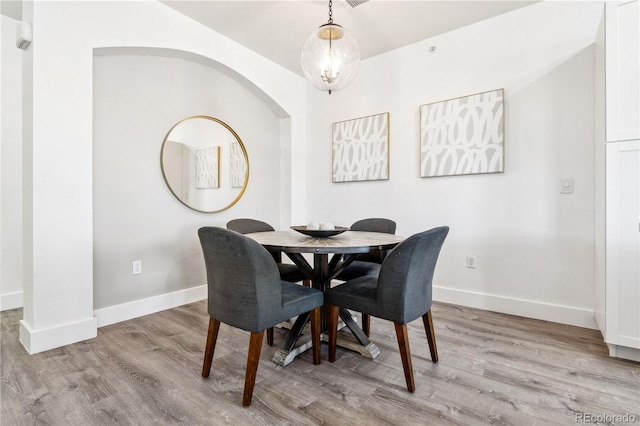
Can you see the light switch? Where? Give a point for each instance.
(566, 186)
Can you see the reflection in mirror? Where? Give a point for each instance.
(204, 164)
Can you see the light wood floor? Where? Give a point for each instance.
(493, 369)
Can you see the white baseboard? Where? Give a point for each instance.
(525, 308)
(42, 340)
(150, 305)
(624, 352)
(10, 301)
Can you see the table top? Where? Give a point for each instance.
(347, 242)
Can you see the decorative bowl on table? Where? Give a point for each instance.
(320, 233)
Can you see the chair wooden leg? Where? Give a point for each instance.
(405, 354)
(366, 324)
(270, 336)
(255, 345)
(306, 283)
(431, 336)
(316, 325)
(333, 331)
(212, 337)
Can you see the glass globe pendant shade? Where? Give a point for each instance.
(330, 58)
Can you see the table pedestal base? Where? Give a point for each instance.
(284, 357)
(370, 351)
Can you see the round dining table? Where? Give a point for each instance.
(343, 249)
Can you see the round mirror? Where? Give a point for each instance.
(205, 164)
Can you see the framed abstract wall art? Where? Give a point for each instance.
(208, 168)
(360, 149)
(463, 136)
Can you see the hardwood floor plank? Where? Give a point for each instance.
(493, 369)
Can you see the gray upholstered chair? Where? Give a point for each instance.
(401, 293)
(368, 263)
(288, 272)
(246, 292)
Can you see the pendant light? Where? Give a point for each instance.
(330, 56)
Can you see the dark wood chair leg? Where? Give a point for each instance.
(270, 336)
(405, 354)
(316, 325)
(431, 336)
(334, 311)
(212, 337)
(366, 324)
(253, 358)
(306, 283)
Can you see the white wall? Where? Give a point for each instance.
(11, 168)
(58, 146)
(534, 247)
(137, 99)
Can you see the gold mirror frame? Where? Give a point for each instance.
(210, 183)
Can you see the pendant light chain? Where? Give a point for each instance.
(330, 12)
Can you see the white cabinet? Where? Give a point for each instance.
(618, 222)
(622, 319)
(622, 20)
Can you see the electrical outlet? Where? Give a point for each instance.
(471, 262)
(566, 186)
(136, 267)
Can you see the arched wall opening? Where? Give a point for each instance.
(138, 95)
(58, 168)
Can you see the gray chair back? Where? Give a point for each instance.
(404, 290)
(248, 226)
(375, 224)
(244, 284)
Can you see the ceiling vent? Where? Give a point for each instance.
(354, 3)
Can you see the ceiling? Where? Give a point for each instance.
(277, 29)
(11, 8)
